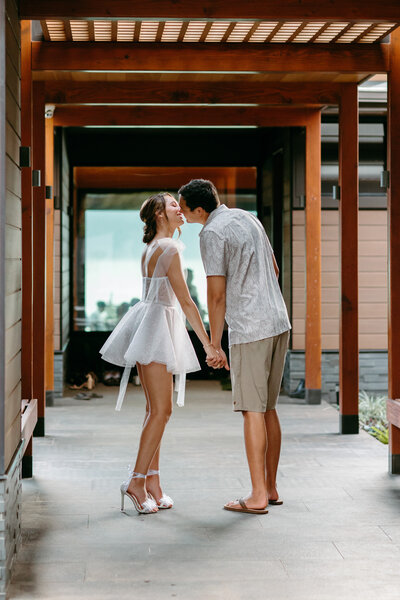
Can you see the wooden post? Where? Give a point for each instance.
(49, 180)
(313, 259)
(26, 191)
(348, 235)
(39, 256)
(394, 253)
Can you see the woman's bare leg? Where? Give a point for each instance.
(153, 483)
(159, 387)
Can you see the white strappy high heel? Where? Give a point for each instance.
(148, 506)
(165, 501)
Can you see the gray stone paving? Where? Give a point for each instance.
(336, 536)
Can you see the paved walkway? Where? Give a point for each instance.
(336, 536)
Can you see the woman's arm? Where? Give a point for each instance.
(178, 283)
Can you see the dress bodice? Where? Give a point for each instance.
(157, 289)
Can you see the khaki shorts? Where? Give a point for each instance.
(256, 372)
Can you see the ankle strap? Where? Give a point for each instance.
(152, 472)
(138, 476)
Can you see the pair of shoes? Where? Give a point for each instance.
(148, 506)
(245, 509)
(165, 501)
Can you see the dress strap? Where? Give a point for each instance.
(122, 387)
(180, 383)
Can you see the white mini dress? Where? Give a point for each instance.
(153, 330)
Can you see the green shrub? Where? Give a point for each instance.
(372, 414)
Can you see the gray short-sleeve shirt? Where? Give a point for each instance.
(233, 244)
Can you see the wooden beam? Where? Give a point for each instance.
(27, 234)
(39, 256)
(313, 259)
(169, 178)
(79, 116)
(360, 10)
(394, 247)
(121, 56)
(348, 235)
(49, 260)
(194, 92)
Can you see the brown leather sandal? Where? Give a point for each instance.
(245, 509)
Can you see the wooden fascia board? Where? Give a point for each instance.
(185, 92)
(358, 10)
(188, 57)
(101, 116)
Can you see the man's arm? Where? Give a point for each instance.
(216, 301)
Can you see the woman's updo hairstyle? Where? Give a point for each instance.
(148, 213)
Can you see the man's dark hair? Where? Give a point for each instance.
(200, 192)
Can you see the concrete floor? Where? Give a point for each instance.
(336, 536)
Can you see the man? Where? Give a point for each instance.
(242, 286)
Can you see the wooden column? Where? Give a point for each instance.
(313, 259)
(49, 260)
(348, 235)
(39, 256)
(394, 253)
(26, 191)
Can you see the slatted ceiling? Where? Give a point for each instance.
(148, 31)
(353, 33)
(79, 31)
(194, 31)
(308, 32)
(172, 31)
(377, 32)
(217, 31)
(300, 32)
(126, 31)
(263, 31)
(239, 32)
(285, 32)
(102, 31)
(331, 32)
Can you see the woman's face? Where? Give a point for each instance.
(173, 212)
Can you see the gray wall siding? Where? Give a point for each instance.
(13, 237)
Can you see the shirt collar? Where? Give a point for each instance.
(217, 211)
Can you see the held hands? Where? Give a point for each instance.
(216, 357)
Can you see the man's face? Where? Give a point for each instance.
(185, 209)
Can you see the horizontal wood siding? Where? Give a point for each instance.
(372, 280)
(13, 254)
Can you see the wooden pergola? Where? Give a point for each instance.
(261, 63)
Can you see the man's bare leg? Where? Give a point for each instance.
(256, 446)
(274, 438)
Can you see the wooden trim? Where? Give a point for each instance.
(152, 56)
(232, 27)
(348, 236)
(39, 249)
(49, 256)
(205, 32)
(193, 92)
(27, 233)
(273, 32)
(67, 30)
(386, 10)
(345, 30)
(183, 30)
(178, 115)
(393, 155)
(160, 31)
(91, 31)
(29, 417)
(313, 253)
(298, 30)
(45, 30)
(323, 28)
(393, 412)
(365, 32)
(136, 33)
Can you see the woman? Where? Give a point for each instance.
(153, 336)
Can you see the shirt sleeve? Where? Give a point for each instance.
(213, 254)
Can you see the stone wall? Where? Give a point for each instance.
(373, 371)
(10, 520)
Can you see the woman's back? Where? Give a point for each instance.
(156, 261)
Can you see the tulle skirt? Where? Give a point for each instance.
(151, 332)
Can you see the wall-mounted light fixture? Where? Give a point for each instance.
(336, 192)
(36, 178)
(25, 156)
(385, 179)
